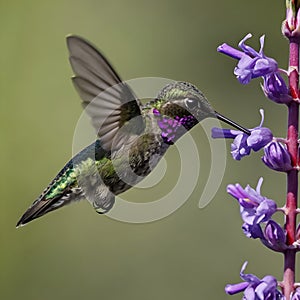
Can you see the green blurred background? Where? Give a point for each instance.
(75, 253)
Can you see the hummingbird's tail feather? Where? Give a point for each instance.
(38, 209)
(43, 206)
(62, 190)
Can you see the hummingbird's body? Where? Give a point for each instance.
(131, 138)
(100, 175)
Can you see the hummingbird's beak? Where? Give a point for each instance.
(231, 123)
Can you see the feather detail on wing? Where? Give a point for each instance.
(109, 102)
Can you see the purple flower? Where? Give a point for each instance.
(275, 88)
(254, 207)
(277, 157)
(252, 64)
(242, 143)
(273, 236)
(255, 288)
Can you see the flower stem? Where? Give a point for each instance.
(289, 273)
(292, 176)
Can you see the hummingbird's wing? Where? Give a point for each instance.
(108, 101)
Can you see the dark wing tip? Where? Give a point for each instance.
(73, 40)
(70, 38)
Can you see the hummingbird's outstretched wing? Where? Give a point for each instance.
(109, 102)
(112, 106)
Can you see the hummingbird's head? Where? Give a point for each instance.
(183, 101)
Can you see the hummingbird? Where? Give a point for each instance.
(131, 137)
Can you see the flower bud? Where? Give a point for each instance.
(290, 26)
(277, 157)
(275, 236)
(275, 88)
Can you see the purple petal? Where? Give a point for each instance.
(261, 290)
(230, 51)
(254, 194)
(248, 277)
(262, 43)
(249, 294)
(248, 197)
(259, 138)
(262, 114)
(266, 209)
(247, 49)
(243, 70)
(248, 216)
(236, 191)
(224, 133)
(232, 289)
(247, 204)
(267, 289)
(264, 66)
(253, 231)
(239, 147)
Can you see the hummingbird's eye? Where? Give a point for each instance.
(191, 103)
